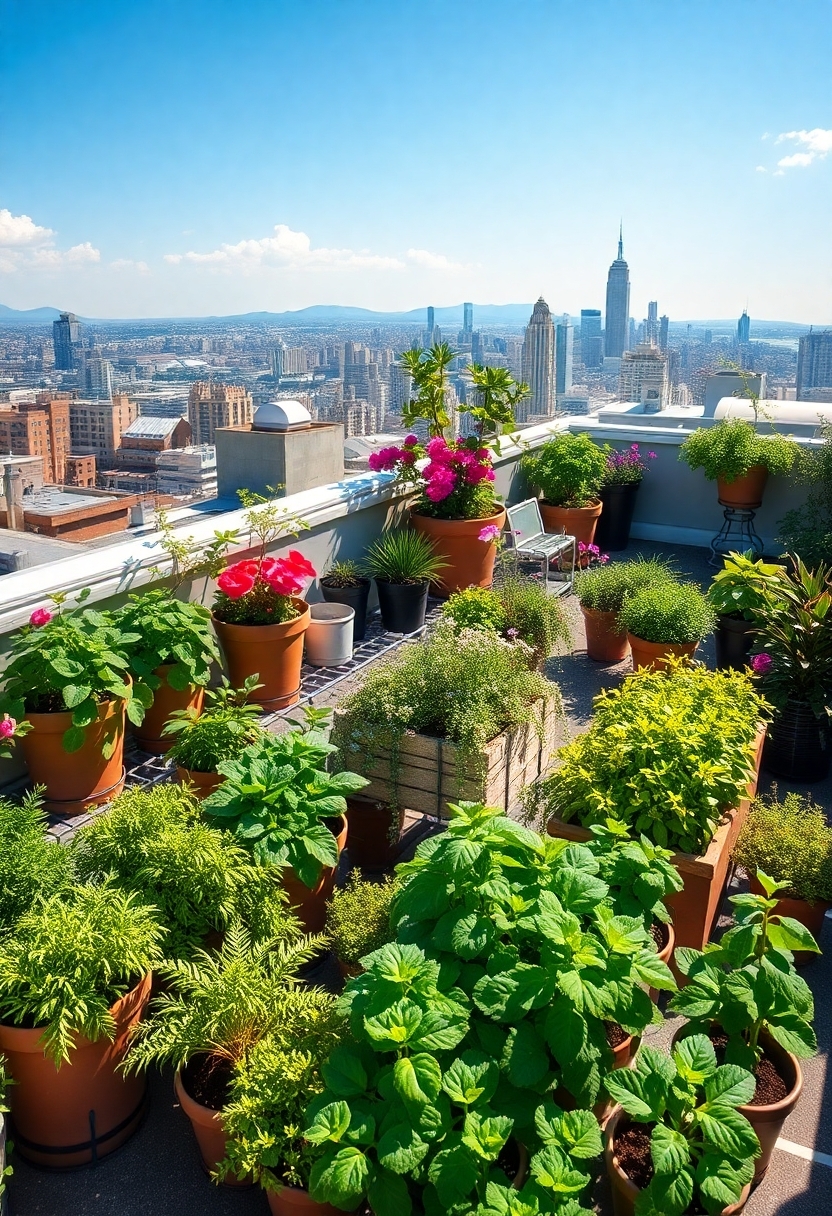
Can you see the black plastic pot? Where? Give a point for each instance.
(612, 532)
(355, 597)
(403, 605)
(734, 639)
(798, 745)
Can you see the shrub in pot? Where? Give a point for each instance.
(516, 608)
(568, 472)
(172, 656)
(601, 593)
(33, 866)
(738, 595)
(807, 529)
(792, 842)
(227, 723)
(677, 1142)
(666, 618)
(744, 992)
(74, 982)
(622, 477)
(67, 689)
(403, 563)
(738, 459)
(345, 583)
(358, 920)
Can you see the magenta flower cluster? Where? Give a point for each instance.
(593, 553)
(628, 465)
(761, 664)
(450, 466)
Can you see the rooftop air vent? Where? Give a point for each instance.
(283, 415)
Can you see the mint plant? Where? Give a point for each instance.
(747, 984)
(169, 631)
(702, 1148)
(227, 724)
(640, 875)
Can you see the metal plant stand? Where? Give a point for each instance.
(737, 535)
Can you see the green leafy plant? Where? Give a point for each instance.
(792, 842)
(667, 753)
(639, 874)
(275, 799)
(226, 725)
(516, 608)
(807, 529)
(428, 370)
(343, 574)
(476, 608)
(358, 917)
(732, 446)
(497, 396)
(744, 586)
(675, 613)
(32, 865)
(702, 1148)
(746, 983)
(74, 659)
(69, 958)
(605, 588)
(795, 632)
(568, 470)
(403, 556)
(169, 631)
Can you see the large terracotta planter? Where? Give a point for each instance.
(456, 541)
(654, 654)
(374, 830)
(605, 641)
(579, 522)
(273, 652)
(76, 780)
(166, 700)
(291, 1201)
(746, 492)
(208, 1129)
(810, 915)
(83, 1110)
(309, 903)
(625, 1192)
(202, 784)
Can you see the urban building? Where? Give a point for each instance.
(814, 361)
(66, 338)
(430, 332)
(39, 428)
(97, 426)
(188, 471)
(727, 383)
(643, 377)
(744, 328)
(468, 319)
(145, 438)
(276, 358)
(95, 375)
(564, 338)
(592, 342)
(664, 323)
(617, 315)
(80, 470)
(295, 361)
(212, 404)
(650, 333)
(575, 401)
(72, 514)
(539, 364)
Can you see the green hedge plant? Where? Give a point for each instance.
(568, 470)
(669, 612)
(605, 588)
(640, 875)
(358, 917)
(792, 842)
(516, 608)
(731, 447)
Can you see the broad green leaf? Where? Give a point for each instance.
(342, 1179)
(731, 1085)
(486, 1135)
(394, 1026)
(788, 934)
(669, 1150)
(73, 739)
(720, 1181)
(388, 1195)
(525, 1057)
(439, 1032)
(320, 842)
(726, 1129)
(695, 1058)
(651, 970)
(579, 891)
(74, 694)
(454, 1173)
(794, 1034)
(552, 1169)
(565, 1030)
(628, 1087)
(401, 1148)
(85, 712)
(344, 1073)
(471, 1077)
(667, 1195)
(581, 1134)
(330, 1123)
(417, 1078)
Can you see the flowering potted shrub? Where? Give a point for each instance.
(403, 563)
(732, 454)
(622, 477)
(568, 471)
(664, 619)
(601, 593)
(739, 594)
(201, 741)
(518, 609)
(457, 507)
(346, 583)
(66, 693)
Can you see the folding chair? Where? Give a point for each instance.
(528, 539)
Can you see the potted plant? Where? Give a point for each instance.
(67, 689)
(744, 993)
(622, 477)
(601, 593)
(358, 920)
(568, 471)
(33, 866)
(458, 715)
(403, 563)
(672, 755)
(518, 609)
(732, 454)
(795, 673)
(282, 805)
(227, 723)
(172, 655)
(807, 529)
(738, 595)
(663, 619)
(792, 842)
(215, 1009)
(74, 983)
(457, 509)
(677, 1142)
(344, 583)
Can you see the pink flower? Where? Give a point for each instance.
(235, 582)
(761, 664)
(440, 484)
(7, 728)
(41, 616)
(652, 456)
(438, 449)
(489, 533)
(410, 441)
(475, 474)
(284, 583)
(300, 565)
(384, 459)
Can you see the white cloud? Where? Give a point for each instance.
(129, 264)
(817, 144)
(286, 249)
(25, 245)
(56, 259)
(21, 230)
(762, 169)
(432, 261)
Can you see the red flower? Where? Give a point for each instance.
(41, 616)
(235, 582)
(300, 564)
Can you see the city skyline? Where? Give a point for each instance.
(730, 212)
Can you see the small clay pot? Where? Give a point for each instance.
(470, 561)
(373, 844)
(209, 1131)
(166, 700)
(579, 522)
(605, 641)
(292, 1201)
(202, 784)
(809, 915)
(76, 780)
(272, 652)
(654, 654)
(309, 903)
(744, 493)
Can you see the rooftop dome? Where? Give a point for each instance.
(283, 415)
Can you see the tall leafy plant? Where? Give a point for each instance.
(170, 632)
(227, 724)
(795, 631)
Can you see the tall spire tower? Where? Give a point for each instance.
(617, 319)
(620, 240)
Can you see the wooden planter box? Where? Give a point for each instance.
(428, 775)
(696, 907)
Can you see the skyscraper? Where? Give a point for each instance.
(617, 318)
(539, 364)
(468, 318)
(211, 405)
(643, 377)
(66, 334)
(663, 324)
(564, 337)
(814, 361)
(592, 347)
(743, 328)
(431, 329)
(651, 323)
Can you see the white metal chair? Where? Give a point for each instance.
(528, 539)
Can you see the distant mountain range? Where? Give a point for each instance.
(40, 316)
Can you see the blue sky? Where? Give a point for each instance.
(206, 156)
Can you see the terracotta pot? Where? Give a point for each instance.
(622, 1057)
(372, 844)
(165, 700)
(291, 1201)
(208, 1129)
(202, 784)
(810, 915)
(652, 654)
(76, 780)
(273, 652)
(665, 954)
(625, 1192)
(309, 903)
(574, 521)
(605, 642)
(83, 1110)
(744, 492)
(470, 560)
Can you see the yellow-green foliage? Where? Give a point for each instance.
(358, 917)
(791, 842)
